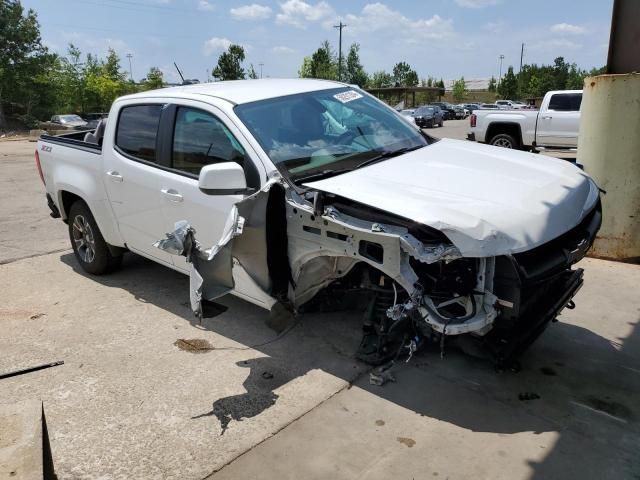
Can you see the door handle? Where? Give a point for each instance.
(115, 176)
(547, 117)
(172, 195)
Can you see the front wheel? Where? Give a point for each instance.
(89, 247)
(504, 140)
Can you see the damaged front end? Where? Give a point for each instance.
(316, 251)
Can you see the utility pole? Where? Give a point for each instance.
(261, 64)
(521, 55)
(207, 75)
(129, 56)
(500, 74)
(340, 27)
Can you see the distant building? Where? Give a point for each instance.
(476, 84)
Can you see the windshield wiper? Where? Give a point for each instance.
(388, 154)
(320, 175)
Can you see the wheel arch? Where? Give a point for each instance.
(509, 128)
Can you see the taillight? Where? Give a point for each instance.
(472, 120)
(39, 167)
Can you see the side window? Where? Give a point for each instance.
(201, 139)
(137, 131)
(565, 102)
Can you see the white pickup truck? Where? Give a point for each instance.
(307, 194)
(555, 125)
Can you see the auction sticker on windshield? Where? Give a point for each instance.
(347, 96)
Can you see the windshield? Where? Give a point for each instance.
(424, 111)
(326, 131)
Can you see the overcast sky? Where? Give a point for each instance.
(441, 38)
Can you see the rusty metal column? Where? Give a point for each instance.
(609, 141)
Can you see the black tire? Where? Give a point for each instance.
(441, 124)
(505, 141)
(89, 247)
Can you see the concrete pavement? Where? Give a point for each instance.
(25, 226)
(147, 393)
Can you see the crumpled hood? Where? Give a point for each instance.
(488, 201)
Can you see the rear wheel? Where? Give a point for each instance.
(504, 140)
(89, 247)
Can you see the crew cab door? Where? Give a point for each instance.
(196, 135)
(133, 177)
(559, 122)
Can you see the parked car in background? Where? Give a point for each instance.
(93, 119)
(437, 108)
(489, 106)
(459, 112)
(471, 107)
(407, 114)
(554, 125)
(447, 110)
(266, 198)
(428, 117)
(69, 121)
(504, 104)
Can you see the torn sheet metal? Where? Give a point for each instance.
(215, 264)
(429, 253)
(211, 274)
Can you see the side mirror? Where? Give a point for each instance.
(225, 178)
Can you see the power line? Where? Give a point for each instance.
(137, 7)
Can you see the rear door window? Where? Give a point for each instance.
(565, 102)
(137, 131)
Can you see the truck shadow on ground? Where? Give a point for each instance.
(572, 381)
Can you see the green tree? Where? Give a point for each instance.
(111, 67)
(492, 84)
(404, 75)
(229, 65)
(355, 73)
(534, 87)
(459, 90)
(560, 73)
(154, 79)
(252, 73)
(508, 87)
(20, 50)
(381, 79)
(305, 68)
(323, 63)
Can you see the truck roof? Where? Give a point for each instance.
(242, 91)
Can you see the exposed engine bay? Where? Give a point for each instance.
(315, 251)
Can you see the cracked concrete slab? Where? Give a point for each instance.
(128, 402)
(457, 418)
